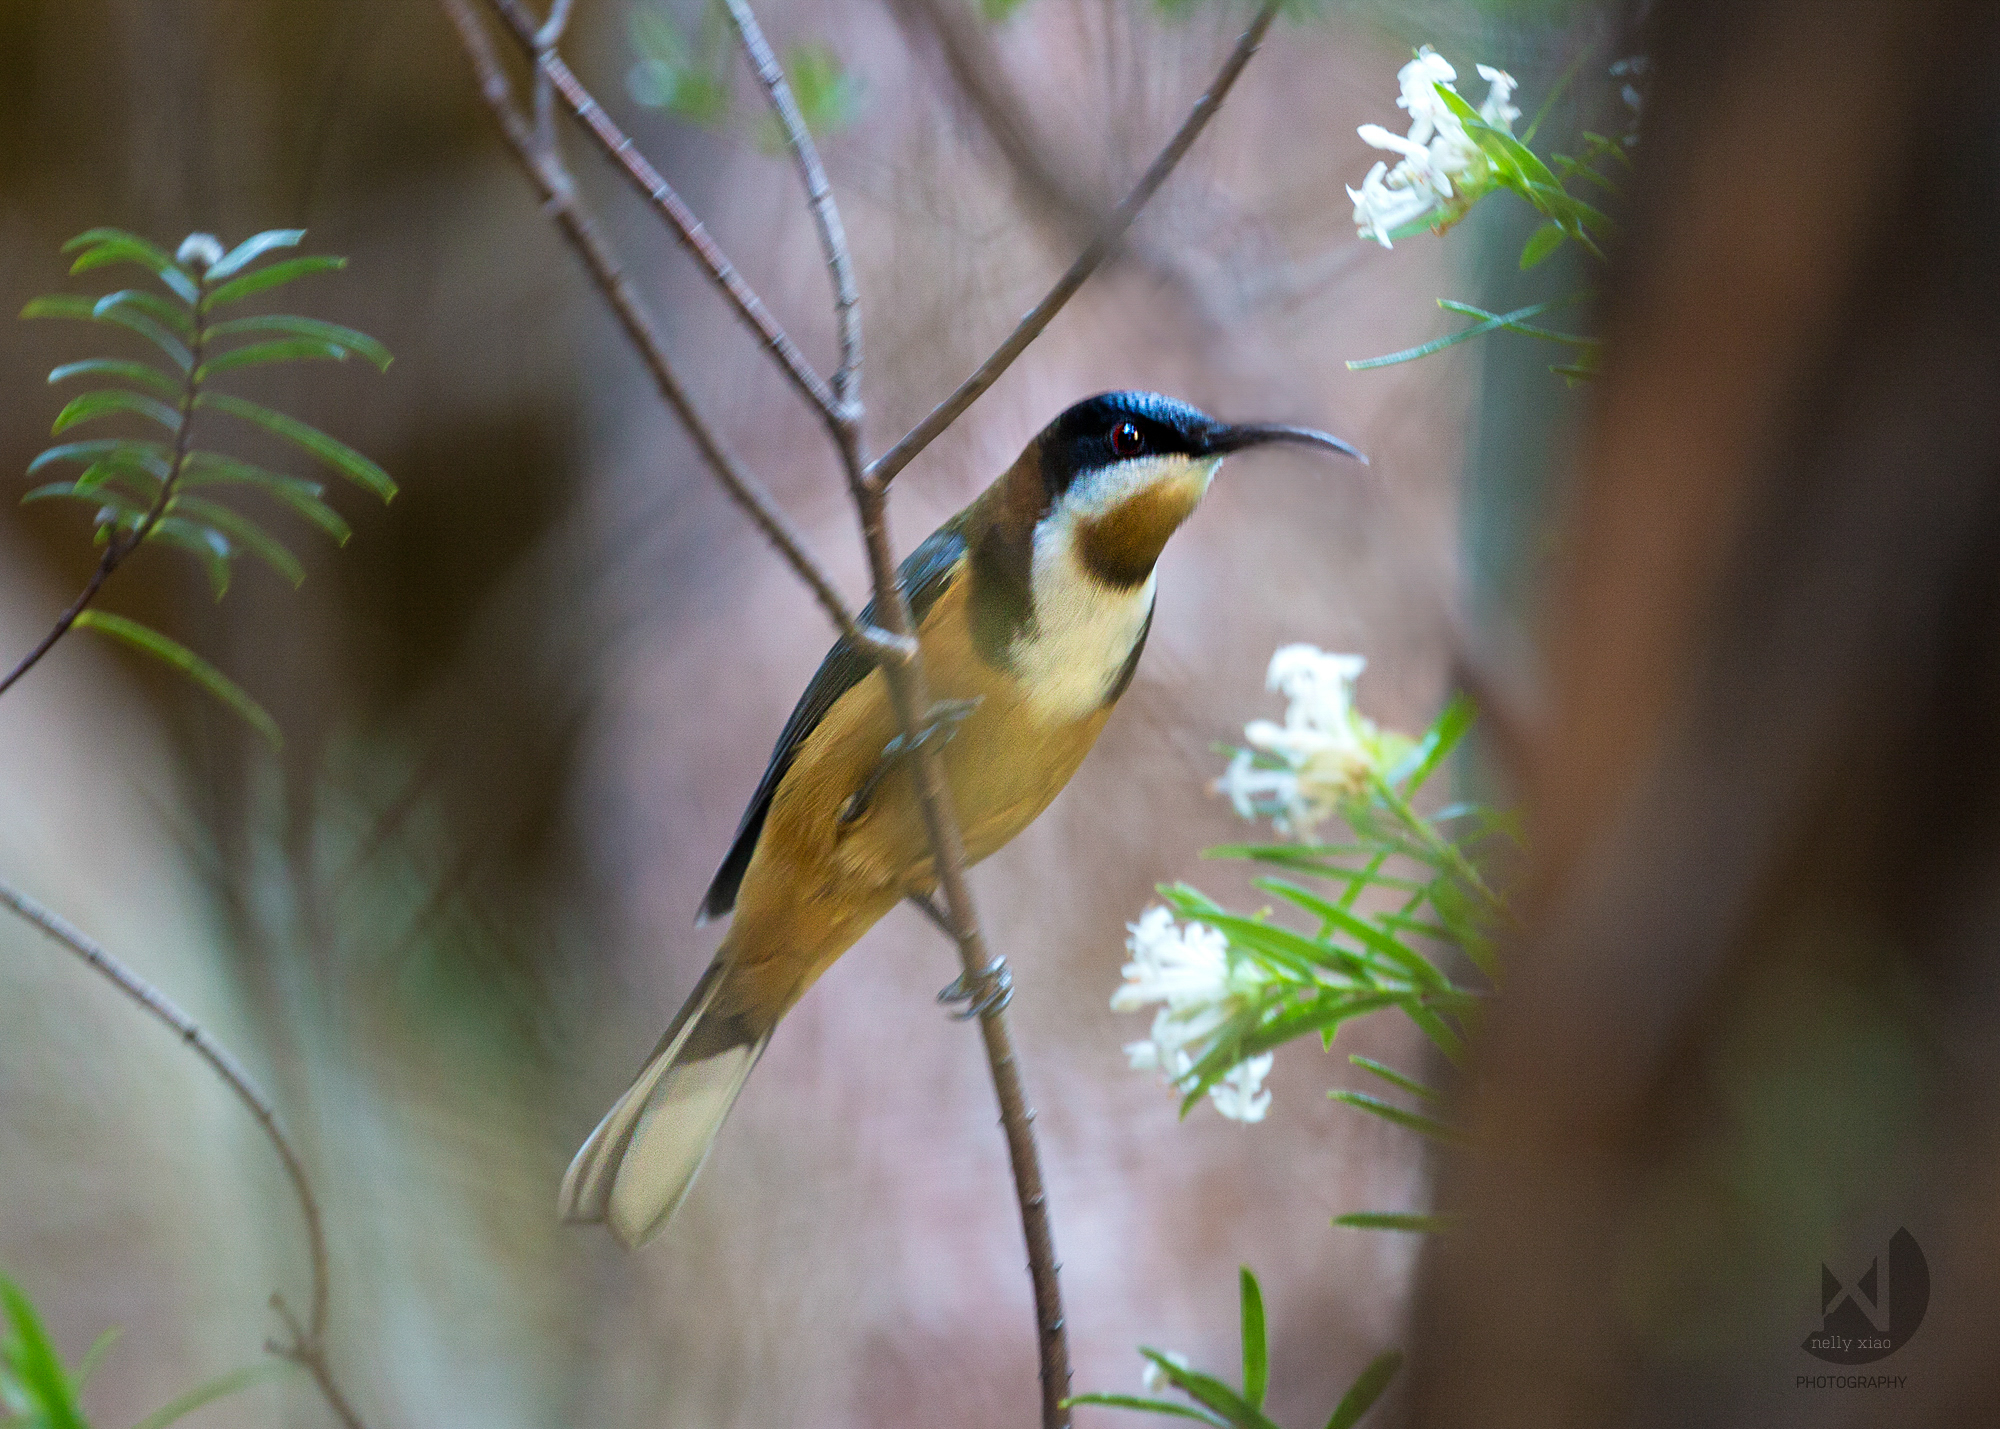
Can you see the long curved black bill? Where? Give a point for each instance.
(1224, 438)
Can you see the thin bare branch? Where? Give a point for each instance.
(984, 980)
(886, 466)
(819, 194)
(581, 230)
(670, 206)
(308, 1339)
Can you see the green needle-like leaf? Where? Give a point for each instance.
(137, 373)
(1543, 242)
(37, 1368)
(1568, 339)
(358, 343)
(116, 468)
(264, 279)
(241, 532)
(1366, 1389)
(110, 498)
(1150, 1406)
(1412, 1120)
(141, 637)
(1451, 726)
(221, 1387)
(295, 493)
(1210, 1392)
(112, 401)
(1425, 349)
(94, 1356)
(336, 454)
(152, 456)
(125, 315)
(1435, 1028)
(1395, 1078)
(1402, 1221)
(208, 546)
(1256, 1357)
(104, 246)
(253, 248)
(294, 349)
(171, 316)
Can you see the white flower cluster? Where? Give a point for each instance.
(1327, 751)
(1187, 971)
(1441, 170)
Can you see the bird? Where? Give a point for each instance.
(1032, 606)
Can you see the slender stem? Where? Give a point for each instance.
(908, 693)
(308, 1347)
(581, 229)
(819, 195)
(886, 466)
(620, 149)
(116, 546)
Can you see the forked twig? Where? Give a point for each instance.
(307, 1347)
(522, 24)
(892, 461)
(580, 227)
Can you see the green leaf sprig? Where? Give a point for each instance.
(169, 489)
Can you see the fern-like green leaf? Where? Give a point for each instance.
(293, 492)
(240, 531)
(358, 343)
(104, 246)
(140, 374)
(115, 401)
(125, 315)
(336, 454)
(264, 279)
(253, 248)
(173, 653)
(206, 545)
(291, 349)
(171, 316)
(153, 456)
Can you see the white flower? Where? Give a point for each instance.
(1497, 108)
(1325, 751)
(1187, 971)
(200, 250)
(1440, 170)
(1240, 1095)
(1182, 968)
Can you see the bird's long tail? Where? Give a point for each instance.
(638, 1165)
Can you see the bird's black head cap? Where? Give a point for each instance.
(1117, 426)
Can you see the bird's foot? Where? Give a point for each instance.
(989, 991)
(940, 724)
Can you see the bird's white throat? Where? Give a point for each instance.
(1082, 631)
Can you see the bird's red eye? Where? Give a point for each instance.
(1126, 441)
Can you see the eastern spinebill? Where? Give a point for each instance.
(1032, 605)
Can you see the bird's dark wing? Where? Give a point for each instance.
(924, 575)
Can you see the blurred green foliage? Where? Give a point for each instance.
(1217, 1403)
(36, 1392)
(688, 75)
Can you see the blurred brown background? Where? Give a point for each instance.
(523, 708)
